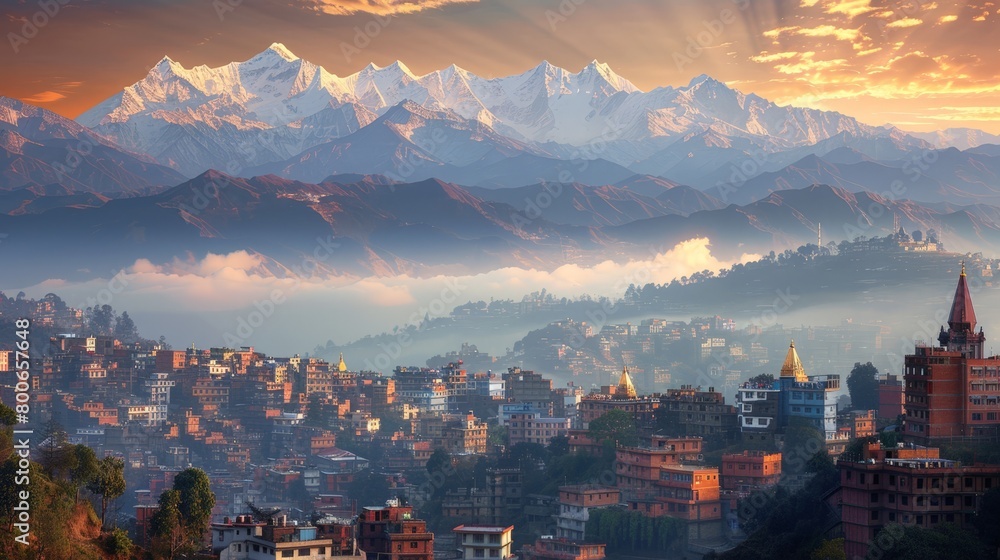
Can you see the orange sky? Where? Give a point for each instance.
(920, 64)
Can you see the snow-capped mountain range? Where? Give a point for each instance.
(276, 108)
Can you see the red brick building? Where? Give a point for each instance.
(563, 549)
(953, 390)
(638, 468)
(620, 397)
(906, 485)
(890, 396)
(750, 470)
(392, 533)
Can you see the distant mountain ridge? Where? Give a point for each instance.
(39, 147)
(276, 108)
(430, 227)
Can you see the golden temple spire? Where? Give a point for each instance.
(793, 365)
(342, 366)
(625, 385)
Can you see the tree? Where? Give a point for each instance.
(496, 435)
(763, 379)
(100, 319)
(559, 446)
(56, 457)
(165, 525)
(862, 383)
(615, 426)
(437, 462)
(125, 329)
(86, 468)
(942, 542)
(829, 550)
(118, 544)
(196, 502)
(109, 483)
(7, 415)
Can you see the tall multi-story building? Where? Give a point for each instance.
(890, 396)
(910, 485)
(393, 533)
(637, 469)
(247, 538)
(690, 412)
(576, 502)
(766, 408)
(953, 390)
(529, 427)
(528, 387)
(620, 397)
(750, 470)
(484, 541)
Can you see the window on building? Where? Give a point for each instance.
(874, 515)
(413, 544)
(285, 553)
(873, 498)
(480, 553)
(303, 552)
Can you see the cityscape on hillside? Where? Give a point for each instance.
(499, 279)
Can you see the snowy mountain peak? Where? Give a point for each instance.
(195, 118)
(398, 66)
(705, 79)
(282, 51)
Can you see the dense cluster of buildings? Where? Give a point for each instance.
(275, 432)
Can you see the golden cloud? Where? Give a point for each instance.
(850, 8)
(765, 57)
(830, 31)
(947, 19)
(44, 97)
(903, 23)
(379, 7)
